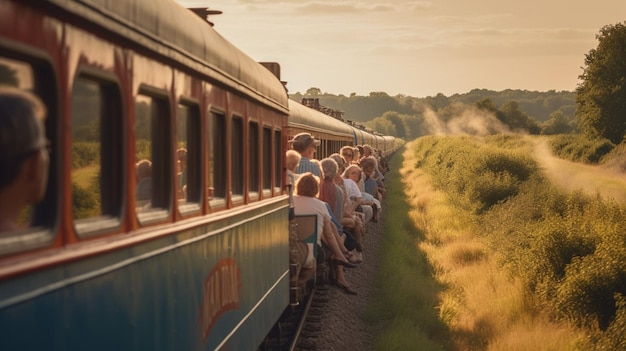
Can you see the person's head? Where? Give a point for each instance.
(341, 162)
(368, 165)
(307, 185)
(347, 152)
(367, 150)
(357, 154)
(24, 158)
(352, 172)
(361, 152)
(305, 144)
(292, 159)
(329, 168)
(144, 169)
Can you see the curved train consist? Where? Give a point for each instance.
(165, 222)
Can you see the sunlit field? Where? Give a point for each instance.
(506, 259)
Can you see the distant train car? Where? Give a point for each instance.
(332, 133)
(165, 225)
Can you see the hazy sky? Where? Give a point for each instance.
(418, 48)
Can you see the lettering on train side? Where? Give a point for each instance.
(220, 293)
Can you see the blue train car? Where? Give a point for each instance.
(201, 263)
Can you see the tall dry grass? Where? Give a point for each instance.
(483, 306)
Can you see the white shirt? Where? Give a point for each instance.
(304, 205)
(352, 190)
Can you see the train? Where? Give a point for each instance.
(164, 225)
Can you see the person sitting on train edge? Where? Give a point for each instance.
(306, 146)
(328, 194)
(370, 186)
(306, 203)
(347, 152)
(24, 158)
(351, 177)
(292, 159)
(359, 154)
(333, 195)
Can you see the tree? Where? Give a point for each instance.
(556, 124)
(601, 97)
(397, 122)
(516, 119)
(312, 91)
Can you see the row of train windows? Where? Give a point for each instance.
(96, 170)
(97, 153)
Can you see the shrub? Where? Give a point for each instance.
(579, 148)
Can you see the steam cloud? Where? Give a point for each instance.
(466, 120)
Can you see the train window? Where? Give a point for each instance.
(35, 220)
(96, 156)
(217, 159)
(237, 160)
(188, 160)
(19, 75)
(152, 154)
(278, 162)
(267, 161)
(253, 151)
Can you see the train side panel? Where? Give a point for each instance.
(197, 289)
(197, 272)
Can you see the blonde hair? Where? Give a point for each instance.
(292, 159)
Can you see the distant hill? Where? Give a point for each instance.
(537, 105)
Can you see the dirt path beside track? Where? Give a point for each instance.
(576, 176)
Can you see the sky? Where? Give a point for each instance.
(418, 48)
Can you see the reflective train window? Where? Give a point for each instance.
(96, 155)
(217, 157)
(278, 161)
(19, 75)
(253, 151)
(152, 155)
(188, 157)
(31, 227)
(237, 162)
(267, 160)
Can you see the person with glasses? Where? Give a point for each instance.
(24, 154)
(347, 152)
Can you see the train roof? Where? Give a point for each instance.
(165, 27)
(300, 115)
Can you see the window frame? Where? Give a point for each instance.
(111, 154)
(217, 188)
(161, 155)
(237, 160)
(254, 161)
(195, 193)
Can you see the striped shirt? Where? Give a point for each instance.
(307, 165)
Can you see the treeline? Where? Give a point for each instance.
(409, 117)
(595, 109)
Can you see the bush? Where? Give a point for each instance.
(569, 248)
(85, 153)
(579, 148)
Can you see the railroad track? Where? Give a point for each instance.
(299, 326)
